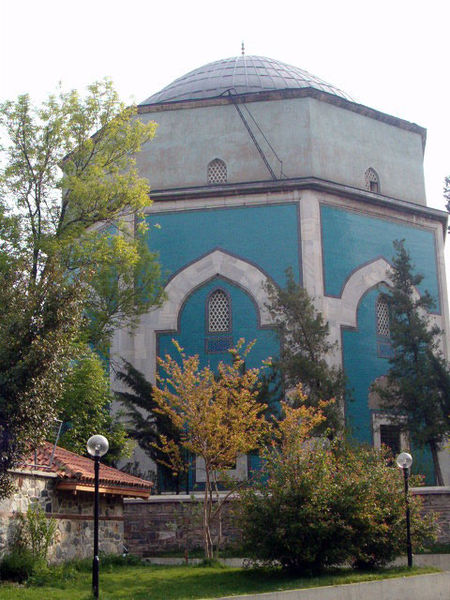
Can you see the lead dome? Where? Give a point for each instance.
(241, 75)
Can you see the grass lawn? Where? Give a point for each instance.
(186, 583)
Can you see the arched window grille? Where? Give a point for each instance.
(383, 321)
(219, 312)
(384, 346)
(217, 171)
(372, 180)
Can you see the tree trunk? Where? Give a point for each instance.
(207, 516)
(437, 466)
(218, 515)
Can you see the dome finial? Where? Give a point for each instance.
(243, 49)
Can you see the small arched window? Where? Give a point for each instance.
(384, 346)
(383, 321)
(219, 337)
(372, 180)
(219, 312)
(217, 172)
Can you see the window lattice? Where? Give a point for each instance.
(219, 316)
(383, 326)
(372, 180)
(217, 171)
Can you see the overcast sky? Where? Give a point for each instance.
(390, 55)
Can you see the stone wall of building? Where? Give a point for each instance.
(73, 514)
(164, 523)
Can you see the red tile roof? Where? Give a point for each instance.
(78, 470)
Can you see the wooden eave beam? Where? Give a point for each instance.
(117, 491)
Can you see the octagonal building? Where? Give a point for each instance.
(256, 167)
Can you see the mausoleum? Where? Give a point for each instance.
(258, 166)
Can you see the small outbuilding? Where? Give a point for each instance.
(62, 483)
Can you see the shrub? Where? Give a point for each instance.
(35, 531)
(18, 565)
(28, 555)
(318, 504)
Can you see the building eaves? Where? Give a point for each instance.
(273, 95)
(300, 183)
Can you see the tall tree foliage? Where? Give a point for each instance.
(145, 424)
(37, 329)
(84, 407)
(418, 377)
(67, 169)
(305, 348)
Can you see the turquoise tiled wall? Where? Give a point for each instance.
(193, 332)
(266, 235)
(362, 366)
(351, 239)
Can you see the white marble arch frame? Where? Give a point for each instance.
(342, 313)
(358, 284)
(217, 263)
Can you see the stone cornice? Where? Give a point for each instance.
(283, 95)
(303, 183)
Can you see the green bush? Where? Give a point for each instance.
(54, 575)
(325, 504)
(35, 531)
(28, 554)
(19, 565)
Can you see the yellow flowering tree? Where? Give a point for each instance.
(218, 416)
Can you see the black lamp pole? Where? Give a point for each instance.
(97, 446)
(404, 462)
(408, 518)
(95, 562)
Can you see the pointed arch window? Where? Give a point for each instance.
(218, 322)
(219, 313)
(383, 327)
(372, 180)
(383, 320)
(217, 172)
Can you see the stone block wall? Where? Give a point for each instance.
(437, 500)
(72, 512)
(165, 522)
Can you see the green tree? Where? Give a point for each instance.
(70, 205)
(84, 407)
(419, 377)
(37, 330)
(146, 423)
(305, 348)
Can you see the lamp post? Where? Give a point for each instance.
(97, 446)
(404, 462)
